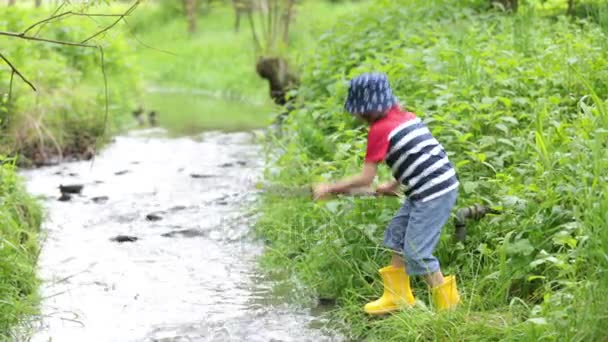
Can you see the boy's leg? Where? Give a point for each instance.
(397, 260)
(394, 236)
(397, 292)
(424, 228)
(434, 279)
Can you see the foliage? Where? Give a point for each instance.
(192, 72)
(519, 102)
(20, 218)
(66, 114)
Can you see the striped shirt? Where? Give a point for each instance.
(417, 160)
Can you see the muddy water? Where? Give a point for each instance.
(190, 275)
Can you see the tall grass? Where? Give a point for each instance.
(20, 218)
(519, 103)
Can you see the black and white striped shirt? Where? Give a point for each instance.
(419, 161)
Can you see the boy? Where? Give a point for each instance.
(419, 162)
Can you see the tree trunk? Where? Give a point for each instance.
(509, 5)
(279, 76)
(238, 10)
(237, 22)
(570, 7)
(190, 11)
(288, 16)
(11, 2)
(38, 3)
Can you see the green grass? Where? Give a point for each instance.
(183, 113)
(20, 218)
(217, 60)
(519, 102)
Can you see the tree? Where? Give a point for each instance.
(38, 3)
(240, 8)
(570, 7)
(270, 34)
(190, 12)
(11, 2)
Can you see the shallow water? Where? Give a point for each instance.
(191, 274)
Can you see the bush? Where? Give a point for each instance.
(519, 103)
(66, 115)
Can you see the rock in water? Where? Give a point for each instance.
(198, 175)
(100, 199)
(71, 189)
(188, 233)
(65, 197)
(153, 217)
(124, 238)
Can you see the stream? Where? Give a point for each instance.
(158, 246)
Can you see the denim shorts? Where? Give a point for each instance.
(415, 231)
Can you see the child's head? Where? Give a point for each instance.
(370, 96)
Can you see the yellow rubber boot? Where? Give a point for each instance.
(397, 292)
(445, 296)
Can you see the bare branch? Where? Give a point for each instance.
(107, 101)
(68, 14)
(105, 86)
(53, 41)
(120, 17)
(10, 86)
(16, 71)
(144, 44)
(54, 13)
(55, 16)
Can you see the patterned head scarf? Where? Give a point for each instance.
(370, 92)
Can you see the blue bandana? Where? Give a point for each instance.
(369, 92)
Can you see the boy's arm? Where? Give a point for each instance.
(364, 179)
(389, 188)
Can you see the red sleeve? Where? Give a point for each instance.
(377, 145)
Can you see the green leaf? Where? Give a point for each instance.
(537, 320)
(332, 206)
(469, 187)
(520, 247)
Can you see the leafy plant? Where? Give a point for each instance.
(519, 103)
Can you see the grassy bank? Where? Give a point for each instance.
(66, 115)
(520, 103)
(20, 218)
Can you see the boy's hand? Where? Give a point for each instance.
(321, 191)
(388, 189)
